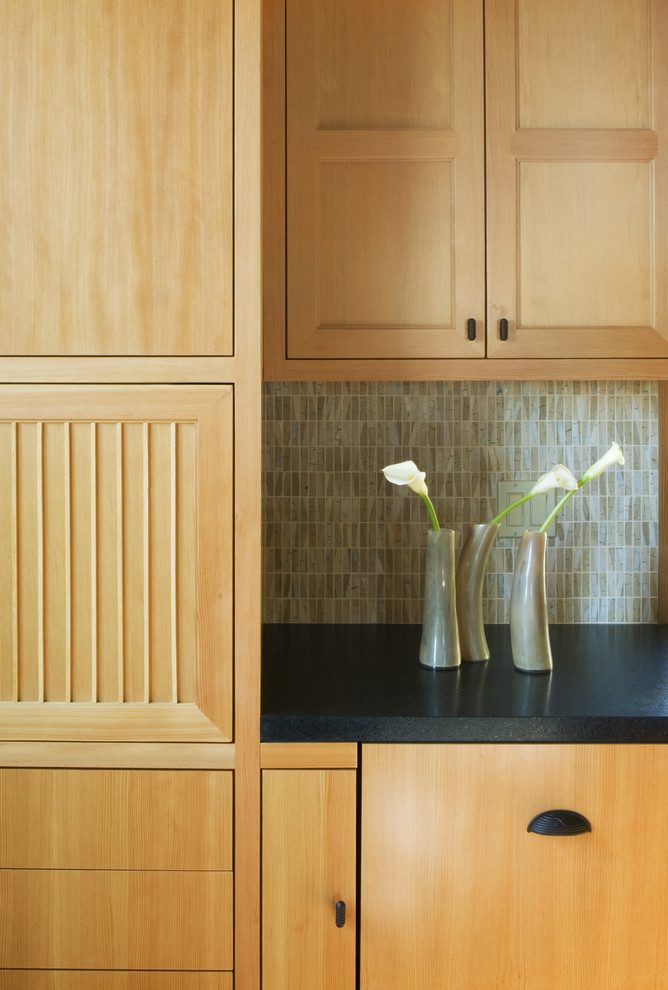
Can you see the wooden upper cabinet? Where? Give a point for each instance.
(116, 178)
(576, 178)
(385, 206)
(446, 166)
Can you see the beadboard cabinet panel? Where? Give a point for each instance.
(116, 177)
(116, 604)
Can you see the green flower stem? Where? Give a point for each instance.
(504, 512)
(432, 513)
(559, 506)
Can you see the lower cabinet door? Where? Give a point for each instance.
(308, 867)
(456, 892)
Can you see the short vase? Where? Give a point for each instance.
(469, 580)
(439, 645)
(529, 628)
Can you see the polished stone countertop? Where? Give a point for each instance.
(363, 683)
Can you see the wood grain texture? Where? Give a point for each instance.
(147, 756)
(117, 233)
(26, 979)
(122, 533)
(663, 503)
(576, 179)
(379, 264)
(116, 820)
(118, 919)
(456, 892)
(308, 755)
(308, 848)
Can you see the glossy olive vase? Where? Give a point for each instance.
(469, 580)
(529, 628)
(439, 645)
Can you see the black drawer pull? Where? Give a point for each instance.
(340, 914)
(559, 822)
(471, 329)
(503, 329)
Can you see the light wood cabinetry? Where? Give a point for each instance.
(309, 856)
(130, 494)
(456, 892)
(444, 167)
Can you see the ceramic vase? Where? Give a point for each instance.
(439, 645)
(529, 629)
(469, 580)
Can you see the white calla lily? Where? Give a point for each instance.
(408, 473)
(612, 456)
(559, 477)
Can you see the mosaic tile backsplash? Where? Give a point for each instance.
(343, 545)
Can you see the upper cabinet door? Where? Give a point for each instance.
(576, 177)
(116, 177)
(385, 180)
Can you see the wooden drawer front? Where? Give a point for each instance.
(26, 979)
(456, 892)
(73, 919)
(116, 819)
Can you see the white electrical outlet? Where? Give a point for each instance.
(530, 515)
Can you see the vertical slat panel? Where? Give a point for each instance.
(80, 504)
(55, 561)
(93, 563)
(120, 561)
(134, 560)
(146, 555)
(15, 564)
(67, 563)
(27, 563)
(160, 562)
(172, 569)
(8, 644)
(186, 536)
(108, 560)
(39, 527)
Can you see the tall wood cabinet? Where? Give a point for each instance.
(129, 369)
(464, 184)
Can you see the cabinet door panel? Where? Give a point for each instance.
(308, 855)
(27, 979)
(577, 178)
(115, 919)
(116, 605)
(455, 892)
(116, 819)
(385, 210)
(116, 178)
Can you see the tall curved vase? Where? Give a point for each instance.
(529, 628)
(469, 580)
(439, 645)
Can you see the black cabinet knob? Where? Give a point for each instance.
(340, 914)
(471, 329)
(559, 822)
(503, 329)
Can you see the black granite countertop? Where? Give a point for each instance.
(336, 683)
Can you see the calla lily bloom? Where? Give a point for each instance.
(408, 473)
(613, 456)
(558, 477)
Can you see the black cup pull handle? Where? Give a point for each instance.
(340, 914)
(471, 329)
(503, 329)
(559, 822)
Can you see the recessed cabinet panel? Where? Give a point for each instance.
(404, 79)
(384, 244)
(456, 892)
(584, 64)
(116, 179)
(593, 269)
